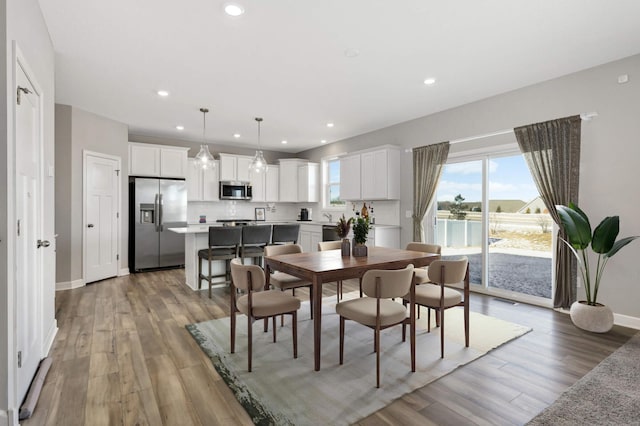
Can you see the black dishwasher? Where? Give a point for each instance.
(329, 233)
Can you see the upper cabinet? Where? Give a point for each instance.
(265, 186)
(202, 185)
(371, 175)
(234, 167)
(299, 180)
(157, 160)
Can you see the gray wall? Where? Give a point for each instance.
(76, 131)
(610, 151)
(22, 22)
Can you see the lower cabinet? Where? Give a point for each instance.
(310, 236)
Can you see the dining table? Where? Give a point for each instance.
(329, 266)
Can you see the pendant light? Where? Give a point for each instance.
(258, 164)
(204, 159)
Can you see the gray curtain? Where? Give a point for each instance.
(427, 168)
(552, 152)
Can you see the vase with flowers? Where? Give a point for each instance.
(342, 229)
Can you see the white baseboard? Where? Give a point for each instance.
(51, 335)
(123, 272)
(68, 285)
(8, 418)
(626, 321)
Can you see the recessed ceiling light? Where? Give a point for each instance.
(233, 9)
(179, 127)
(284, 142)
(351, 53)
(236, 135)
(329, 124)
(430, 81)
(163, 93)
(323, 141)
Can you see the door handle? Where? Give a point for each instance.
(160, 205)
(156, 210)
(43, 243)
(90, 225)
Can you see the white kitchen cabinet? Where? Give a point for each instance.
(288, 183)
(308, 188)
(157, 160)
(350, 177)
(265, 185)
(202, 185)
(234, 167)
(383, 236)
(310, 236)
(380, 174)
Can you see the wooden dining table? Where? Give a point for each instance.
(329, 266)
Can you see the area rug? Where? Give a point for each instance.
(282, 390)
(607, 395)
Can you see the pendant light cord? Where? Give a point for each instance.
(259, 120)
(204, 123)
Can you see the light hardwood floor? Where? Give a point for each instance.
(123, 357)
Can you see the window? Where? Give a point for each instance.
(331, 181)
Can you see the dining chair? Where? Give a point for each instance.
(421, 273)
(439, 296)
(376, 310)
(258, 303)
(223, 245)
(285, 233)
(284, 281)
(333, 245)
(254, 240)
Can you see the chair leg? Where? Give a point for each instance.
(360, 283)
(294, 332)
(466, 324)
(377, 340)
(199, 272)
(274, 328)
(266, 325)
(428, 320)
(233, 330)
(341, 339)
(250, 338)
(441, 333)
(209, 278)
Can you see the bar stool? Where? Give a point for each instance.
(224, 243)
(333, 245)
(283, 234)
(254, 239)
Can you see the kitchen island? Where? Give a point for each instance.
(197, 238)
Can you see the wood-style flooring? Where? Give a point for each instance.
(123, 357)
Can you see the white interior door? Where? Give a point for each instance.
(101, 216)
(29, 277)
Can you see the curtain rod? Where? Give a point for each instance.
(586, 116)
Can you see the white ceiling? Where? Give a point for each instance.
(284, 60)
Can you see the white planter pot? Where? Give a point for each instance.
(597, 319)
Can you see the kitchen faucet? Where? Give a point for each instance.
(328, 216)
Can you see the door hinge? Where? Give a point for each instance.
(22, 90)
(18, 228)
(117, 172)
(117, 257)
(117, 215)
(19, 359)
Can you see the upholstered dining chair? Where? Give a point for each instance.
(284, 281)
(437, 295)
(421, 273)
(333, 245)
(258, 303)
(223, 245)
(376, 310)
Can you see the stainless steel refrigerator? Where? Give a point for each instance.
(154, 206)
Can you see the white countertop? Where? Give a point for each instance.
(204, 227)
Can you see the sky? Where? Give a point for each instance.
(509, 179)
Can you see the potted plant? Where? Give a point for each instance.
(342, 229)
(360, 231)
(589, 314)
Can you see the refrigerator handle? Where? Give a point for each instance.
(160, 220)
(156, 208)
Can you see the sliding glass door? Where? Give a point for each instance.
(489, 210)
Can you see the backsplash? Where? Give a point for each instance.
(386, 212)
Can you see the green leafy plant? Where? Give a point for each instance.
(360, 230)
(603, 242)
(343, 226)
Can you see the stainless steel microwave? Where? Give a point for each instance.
(230, 190)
